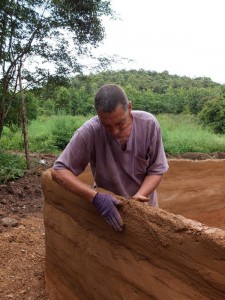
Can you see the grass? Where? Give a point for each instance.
(46, 134)
(181, 134)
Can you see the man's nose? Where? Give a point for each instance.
(115, 131)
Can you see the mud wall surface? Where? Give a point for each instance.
(159, 255)
(196, 190)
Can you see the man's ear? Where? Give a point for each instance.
(130, 105)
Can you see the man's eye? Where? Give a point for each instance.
(121, 124)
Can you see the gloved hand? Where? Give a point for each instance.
(106, 206)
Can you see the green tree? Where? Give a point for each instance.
(213, 115)
(45, 31)
(63, 100)
(14, 115)
(83, 102)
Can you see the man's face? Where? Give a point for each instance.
(116, 122)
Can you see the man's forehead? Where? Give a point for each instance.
(118, 115)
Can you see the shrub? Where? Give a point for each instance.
(12, 166)
(12, 138)
(213, 115)
(64, 128)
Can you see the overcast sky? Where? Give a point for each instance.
(184, 37)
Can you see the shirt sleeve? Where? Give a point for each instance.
(76, 155)
(157, 158)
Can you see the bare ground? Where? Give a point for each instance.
(22, 237)
(22, 233)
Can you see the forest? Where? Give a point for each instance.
(158, 93)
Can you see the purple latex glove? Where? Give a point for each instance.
(106, 206)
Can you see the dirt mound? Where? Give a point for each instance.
(200, 156)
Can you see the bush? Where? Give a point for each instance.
(213, 115)
(12, 138)
(14, 115)
(12, 166)
(64, 128)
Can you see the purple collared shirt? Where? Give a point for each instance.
(121, 172)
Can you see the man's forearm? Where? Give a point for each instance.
(71, 183)
(149, 184)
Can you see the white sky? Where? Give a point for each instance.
(184, 37)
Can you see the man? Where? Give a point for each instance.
(125, 152)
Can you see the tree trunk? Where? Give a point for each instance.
(2, 114)
(24, 119)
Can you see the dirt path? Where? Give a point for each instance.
(22, 243)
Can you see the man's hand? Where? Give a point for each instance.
(140, 198)
(106, 206)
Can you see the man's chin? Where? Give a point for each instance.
(118, 137)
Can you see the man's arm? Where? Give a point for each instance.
(104, 203)
(70, 182)
(149, 184)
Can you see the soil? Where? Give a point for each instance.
(22, 236)
(22, 246)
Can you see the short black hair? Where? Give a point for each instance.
(109, 97)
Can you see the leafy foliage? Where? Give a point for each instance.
(12, 166)
(74, 96)
(150, 91)
(29, 26)
(12, 138)
(37, 32)
(64, 129)
(14, 115)
(213, 114)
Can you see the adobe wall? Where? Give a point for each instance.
(196, 190)
(159, 255)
